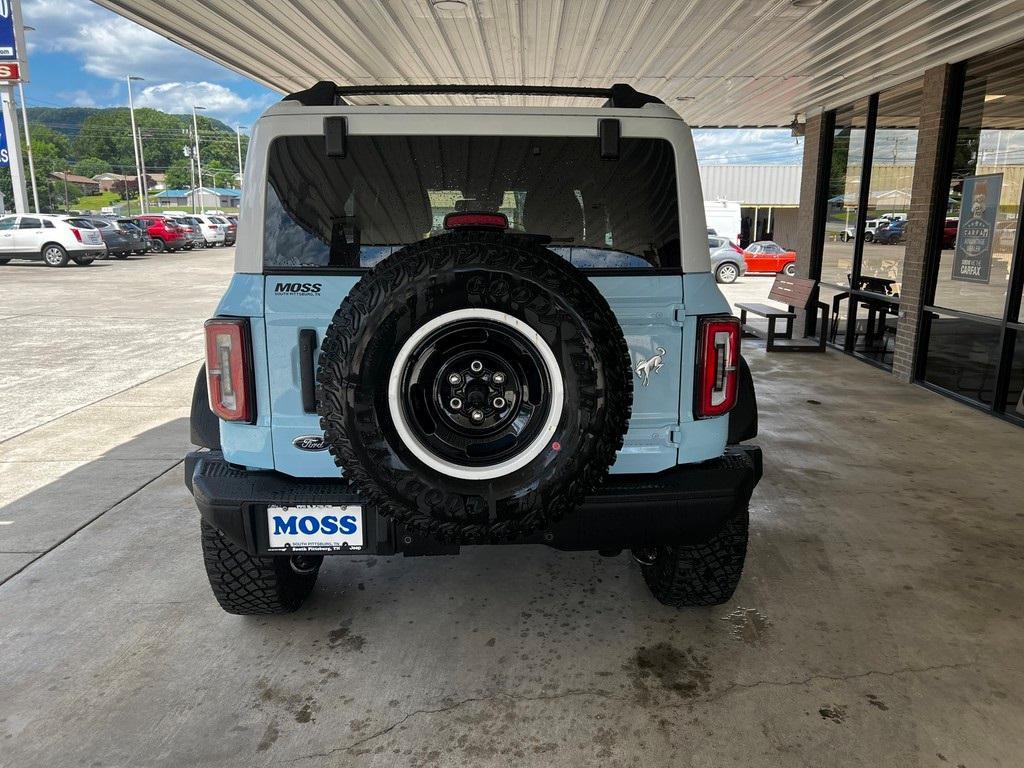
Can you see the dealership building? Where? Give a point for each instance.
(913, 118)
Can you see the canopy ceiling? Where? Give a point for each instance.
(718, 62)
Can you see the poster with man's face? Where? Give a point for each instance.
(972, 260)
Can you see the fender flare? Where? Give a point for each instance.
(743, 416)
(204, 426)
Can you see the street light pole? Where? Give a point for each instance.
(28, 147)
(135, 146)
(199, 162)
(238, 137)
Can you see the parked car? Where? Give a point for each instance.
(893, 232)
(141, 242)
(163, 231)
(118, 240)
(475, 384)
(230, 228)
(192, 229)
(213, 232)
(769, 256)
(53, 239)
(727, 262)
(871, 227)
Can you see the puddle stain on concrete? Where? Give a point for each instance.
(748, 625)
(874, 701)
(681, 672)
(343, 639)
(270, 737)
(833, 712)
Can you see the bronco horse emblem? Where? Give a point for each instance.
(646, 366)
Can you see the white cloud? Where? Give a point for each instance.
(109, 45)
(220, 102)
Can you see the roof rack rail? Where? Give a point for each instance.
(326, 93)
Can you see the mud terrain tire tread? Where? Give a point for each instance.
(251, 586)
(703, 574)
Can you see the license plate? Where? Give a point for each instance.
(309, 528)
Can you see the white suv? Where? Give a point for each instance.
(213, 232)
(51, 238)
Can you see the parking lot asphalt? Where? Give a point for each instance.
(878, 622)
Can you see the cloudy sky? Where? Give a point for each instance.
(80, 53)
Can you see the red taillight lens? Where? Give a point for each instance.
(718, 355)
(77, 234)
(229, 368)
(735, 247)
(473, 220)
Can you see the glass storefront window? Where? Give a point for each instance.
(891, 180)
(844, 193)
(1015, 395)
(963, 357)
(988, 164)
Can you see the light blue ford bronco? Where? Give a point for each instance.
(470, 325)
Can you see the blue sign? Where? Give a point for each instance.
(8, 33)
(5, 158)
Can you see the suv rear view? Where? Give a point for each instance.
(455, 326)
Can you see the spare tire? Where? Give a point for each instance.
(474, 386)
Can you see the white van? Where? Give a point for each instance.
(724, 220)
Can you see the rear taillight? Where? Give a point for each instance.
(735, 247)
(77, 234)
(718, 353)
(475, 220)
(229, 368)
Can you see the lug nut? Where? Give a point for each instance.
(454, 379)
(455, 404)
(498, 378)
(499, 402)
(476, 366)
(477, 415)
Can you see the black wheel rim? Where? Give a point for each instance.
(475, 393)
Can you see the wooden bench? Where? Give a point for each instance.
(795, 293)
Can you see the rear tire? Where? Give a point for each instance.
(252, 586)
(689, 575)
(83, 261)
(4, 261)
(121, 256)
(158, 245)
(55, 255)
(790, 270)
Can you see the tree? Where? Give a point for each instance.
(91, 166)
(179, 174)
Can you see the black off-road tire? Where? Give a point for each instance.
(4, 261)
(159, 246)
(707, 573)
(252, 586)
(474, 270)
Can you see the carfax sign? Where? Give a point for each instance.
(979, 208)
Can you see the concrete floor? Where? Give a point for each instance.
(878, 622)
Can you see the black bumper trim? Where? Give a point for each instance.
(686, 503)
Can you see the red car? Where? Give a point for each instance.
(165, 234)
(769, 256)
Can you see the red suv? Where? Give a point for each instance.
(165, 234)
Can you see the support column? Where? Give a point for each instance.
(927, 208)
(810, 228)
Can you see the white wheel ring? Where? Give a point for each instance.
(461, 471)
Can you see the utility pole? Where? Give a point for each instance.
(28, 147)
(66, 206)
(135, 146)
(199, 161)
(142, 186)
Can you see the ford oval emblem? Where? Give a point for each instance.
(310, 443)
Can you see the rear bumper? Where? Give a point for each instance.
(685, 503)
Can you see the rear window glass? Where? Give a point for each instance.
(81, 223)
(393, 190)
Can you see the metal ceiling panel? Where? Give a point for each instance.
(717, 62)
